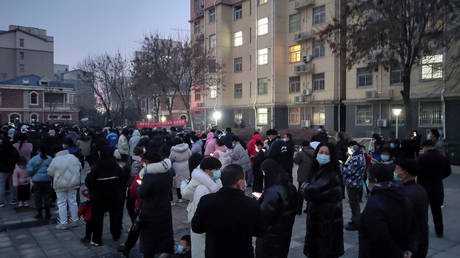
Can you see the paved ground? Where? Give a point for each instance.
(23, 236)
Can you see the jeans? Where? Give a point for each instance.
(65, 198)
(42, 194)
(4, 178)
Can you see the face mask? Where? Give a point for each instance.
(385, 157)
(180, 249)
(368, 186)
(392, 145)
(396, 178)
(323, 159)
(216, 175)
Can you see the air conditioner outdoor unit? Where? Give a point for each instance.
(307, 58)
(382, 123)
(305, 123)
(307, 92)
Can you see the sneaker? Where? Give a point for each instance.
(95, 244)
(20, 204)
(85, 240)
(62, 226)
(2, 205)
(13, 202)
(74, 224)
(173, 203)
(25, 204)
(351, 227)
(180, 201)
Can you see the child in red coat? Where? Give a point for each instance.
(84, 211)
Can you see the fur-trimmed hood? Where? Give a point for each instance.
(156, 168)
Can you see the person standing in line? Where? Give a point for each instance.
(112, 138)
(278, 206)
(229, 218)
(24, 147)
(305, 160)
(353, 171)
(21, 181)
(37, 169)
(133, 141)
(123, 144)
(406, 172)
(240, 156)
(434, 136)
(9, 158)
(434, 168)
(257, 163)
(387, 226)
(324, 236)
(180, 153)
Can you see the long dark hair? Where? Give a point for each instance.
(43, 150)
(22, 138)
(332, 153)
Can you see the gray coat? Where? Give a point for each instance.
(240, 157)
(305, 159)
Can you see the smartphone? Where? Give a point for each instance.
(257, 195)
(139, 182)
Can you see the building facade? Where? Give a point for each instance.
(32, 98)
(26, 50)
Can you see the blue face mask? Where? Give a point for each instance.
(216, 175)
(385, 157)
(368, 186)
(396, 178)
(180, 249)
(392, 145)
(323, 159)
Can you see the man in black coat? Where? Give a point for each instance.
(407, 172)
(387, 226)
(229, 218)
(283, 152)
(434, 167)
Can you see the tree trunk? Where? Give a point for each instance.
(189, 114)
(406, 99)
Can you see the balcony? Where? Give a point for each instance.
(199, 13)
(199, 36)
(303, 68)
(379, 95)
(299, 4)
(303, 36)
(53, 106)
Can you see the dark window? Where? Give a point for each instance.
(196, 5)
(21, 55)
(364, 77)
(262, 84)
(212, 66)
(238, 64)
(238, 12)
(318, 48)
(318, 81)
(319, 15)
(21, 42)
(294, 84)
(21, 68)
(238, 91)
(294, 22)
(196, 27)
(212, 15)
(396, 75)
(198, 95)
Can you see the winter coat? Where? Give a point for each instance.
(283, 153)
(65, 169)
(156, 217)
(133, 141)
(136, 165)
(179, 156)
(197, 147)
(227, 139)
(278, 205)
(200, 185)
(387, 227)
(224, 156)
(194, 161)
(240, 157)
(305, 159)
(210, 144)
(418, 197)
(112, 139)
(85, 147)
(230, 220)
(434, 167)
(123, 145)
(252, 146)
(353, 170)
(258, 175)
(84, 210)
(25, 150)
(9, 158)
(20, 176)
(37, 168)
(324, 213)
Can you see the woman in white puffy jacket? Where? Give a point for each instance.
(205, 180)
(180, 153)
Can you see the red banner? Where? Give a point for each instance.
(147, 124)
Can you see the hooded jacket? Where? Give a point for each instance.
(240, 157)
(37, 168)
(65, 170)
(353, 170)
(305, 159)
(135, 138)
(210, 144)
(197, 147)
(252, 146)
(123, 145)
(179, 156)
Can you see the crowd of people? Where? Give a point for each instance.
(233, 191)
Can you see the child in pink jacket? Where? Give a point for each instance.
(21, 181)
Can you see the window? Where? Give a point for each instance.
(294, 54)
(213, 92)
(262, 116)
(318, 81)
(14, 117)
(261, 2)
(294, 116)
(238, 91)
(66, 117)
(294, 22)
(319, 116)
(53, 117)
(21, 42)
(238, 39)
(396, 74)
(238, 117)
(262, 56)
(21, 55)
(212, 15)
(34, 117)
(318, 49)
(21, 68)
(196, 27)
(212, 41)
(294, 84)
(364, 115)
(238, 64)
(319, 15)
(197, 95)
(70, 98)
(196, 5)
(402, 116)
(432, 67)
(237, 12)
(262, 26)
(262, 84)
(430, 114)
(33, 98)
(364, 77)
(212, 66)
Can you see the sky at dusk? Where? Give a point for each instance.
(90, 27)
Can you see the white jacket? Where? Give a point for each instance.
(65, 170)
(123, 145)
(156, 168)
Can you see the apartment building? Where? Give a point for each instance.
(25, 50)
(278, 74)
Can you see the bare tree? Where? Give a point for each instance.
(394, 32)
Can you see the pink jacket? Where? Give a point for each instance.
(222, 148)
(210, 144)
(26, 149)
(20, 176)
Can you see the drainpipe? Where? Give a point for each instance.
(272, 121)
(256, 68)
(443, 90)
(340, 71)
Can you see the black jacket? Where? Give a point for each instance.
(278, 206)
(324, 213)
(229, 219)
(387, 227)
(417, 195)
(283, 153)
(107, 182)
(9, 157)
(434, 167)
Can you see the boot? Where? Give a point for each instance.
(39, 214)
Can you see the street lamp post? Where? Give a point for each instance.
(217, 115)
(397, 112)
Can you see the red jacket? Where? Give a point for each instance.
(252, 146)
(132, 192)
(85, 210)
